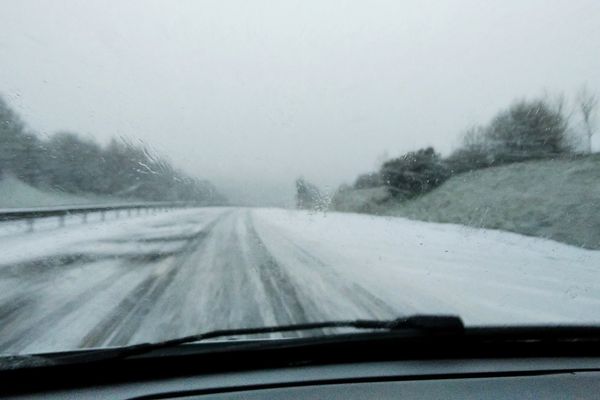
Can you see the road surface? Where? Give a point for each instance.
(154, 277)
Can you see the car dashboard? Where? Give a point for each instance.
(535, 378)
(512, 363)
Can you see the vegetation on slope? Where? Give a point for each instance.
(66, 162)
(555, 199)
(522, 172)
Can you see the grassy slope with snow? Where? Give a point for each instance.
(366, 201)
(15, 193)
(555, 199)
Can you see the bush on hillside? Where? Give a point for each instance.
(475, 152)
(308, 196)
(414, 173)
(528, 130)
(367, 181)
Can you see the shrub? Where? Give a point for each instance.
(527, 130)
(414, 173)
(308, 196)
(370, 180)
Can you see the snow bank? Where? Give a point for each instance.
(15, 193)
(486, 276)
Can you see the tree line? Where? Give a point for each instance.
(70, 163)
(527, 130)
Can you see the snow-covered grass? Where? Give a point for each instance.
(485, 276)
(15, 193)
(556, 199)
(369, 200)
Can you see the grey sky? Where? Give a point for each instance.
(252, 94)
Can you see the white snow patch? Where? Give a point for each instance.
(485, 276)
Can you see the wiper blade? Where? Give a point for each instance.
(422, 323)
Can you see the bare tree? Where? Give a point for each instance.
(586, 104)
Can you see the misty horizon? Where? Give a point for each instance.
(253, 96)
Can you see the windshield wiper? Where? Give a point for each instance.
(422, 323)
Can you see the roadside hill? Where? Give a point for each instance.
(16, 193)
(555, 199)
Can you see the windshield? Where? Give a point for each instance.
(175, 167)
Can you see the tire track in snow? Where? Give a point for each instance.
(341, 293)
(121, 324)
(233, 272)
(285, 301)
(25, 333)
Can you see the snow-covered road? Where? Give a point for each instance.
(153, 277)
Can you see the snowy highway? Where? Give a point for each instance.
(154, 277)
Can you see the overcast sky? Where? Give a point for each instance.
(252, 94)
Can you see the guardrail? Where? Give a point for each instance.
(29, 215)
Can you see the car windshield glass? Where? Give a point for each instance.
(176, 167)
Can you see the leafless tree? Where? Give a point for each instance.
(586, 103)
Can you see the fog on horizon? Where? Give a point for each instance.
(253, 94)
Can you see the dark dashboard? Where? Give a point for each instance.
(551, 378)
(529, 363)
